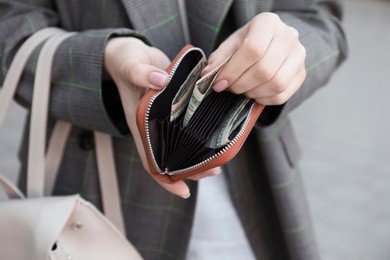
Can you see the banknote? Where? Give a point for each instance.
(202, 89)
(230, 122)
(183, 96)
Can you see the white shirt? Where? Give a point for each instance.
(217, 232)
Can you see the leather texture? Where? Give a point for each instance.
(38, 227)
(89, 235)
(29, 228)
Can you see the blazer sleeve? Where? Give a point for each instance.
(319, 25)
(79, 93)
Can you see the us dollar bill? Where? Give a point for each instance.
(229, 123)
(183, 96)
(202, 89)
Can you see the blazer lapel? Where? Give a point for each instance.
(153, 18)
(159, 21)
(205, 20)
(245, 10)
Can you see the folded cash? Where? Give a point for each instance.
(182, 97)
(202, 89)
(230, 122)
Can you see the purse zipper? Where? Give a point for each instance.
(200, 164)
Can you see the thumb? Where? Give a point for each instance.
(146, 76)
(178, 188)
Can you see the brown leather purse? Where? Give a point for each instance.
(187, 128)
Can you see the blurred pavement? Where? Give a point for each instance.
(344, 133)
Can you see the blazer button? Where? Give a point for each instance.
(86, 141)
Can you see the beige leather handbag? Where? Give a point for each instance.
(63, 227)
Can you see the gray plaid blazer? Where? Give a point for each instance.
(265, 184)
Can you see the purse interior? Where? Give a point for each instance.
(176, 147)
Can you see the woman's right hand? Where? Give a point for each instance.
(135, 67)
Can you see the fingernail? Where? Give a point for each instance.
(221, 85)
(187, 196)
(205, 69)
(158, 79)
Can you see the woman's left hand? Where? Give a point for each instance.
(267, 61)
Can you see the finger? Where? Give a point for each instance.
(268, 66)
(225, 50)
(208, 173)
(284, 96)
(178, 188)
(283, 77)
(145, 76)
(251, 50)
(158, 58)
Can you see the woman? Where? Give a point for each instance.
(282, 51)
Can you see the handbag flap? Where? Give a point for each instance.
(89, 235)
(35, 223)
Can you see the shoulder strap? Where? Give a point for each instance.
(36, 160)
(17, 66)
(108, 180)
(10, 189)
(38, 120)
(54, 154)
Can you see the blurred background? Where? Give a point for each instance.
(344, 133)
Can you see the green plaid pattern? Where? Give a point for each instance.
(264, 180)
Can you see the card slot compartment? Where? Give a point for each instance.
(210, 113)
(179, 146)
(157, 142)
(201, 118)
(185, 151)
(174, 146)
(160, 108)
(200, 156)
(177, 138)
(166, 141)
(187, 143)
